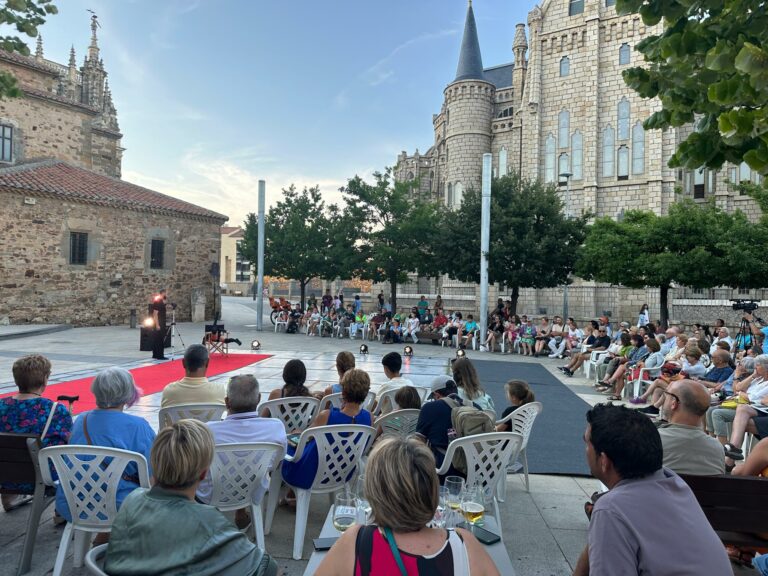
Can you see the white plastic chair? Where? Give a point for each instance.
(339, 450)
(522, 422)
(645, 377)
(400, 423)
(94, 560)
(202, 412)
(279, 321)
(594, 359)
(335, 400)
(89, 477)
(237, 474)
(385, 401)
(487, 458)
(295, 412)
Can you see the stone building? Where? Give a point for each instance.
(79, 245)
(236, 272)
(562, 107)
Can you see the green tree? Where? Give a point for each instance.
(296, 233)
(25, 16)
(532, 243)
(708, 65)
(396, 230)
(694, 245)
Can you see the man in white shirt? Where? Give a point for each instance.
(392, 364)
(723, 335)
(243, 424)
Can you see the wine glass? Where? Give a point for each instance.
(441, 513)
(473, 504)
(363, 506)
(344, 511)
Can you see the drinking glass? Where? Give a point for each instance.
(344, 511)
(473, 505)
(442, 513)
(363, 506)
(455, 487)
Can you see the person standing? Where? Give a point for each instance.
(644, 318)
(159, 303)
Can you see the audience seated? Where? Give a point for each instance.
(435, 418)
(426, 320)
(467, 332)
(572, 336)
(29, 413)
(756, 463)
(294, 378)
(719, 372)
(648, 356)
(392, 363)
(402, 488)
(108, 425)
(345, 361)
(468, 382)
(691, 368)
(354, 389)
(751, 389)
(542, 336)
(411, 328)
(670, 339)
(723, 335)
(493, 334)
(194, 388)
(600, 343)
(512, 329)
(527, 337)
(165, 531)
(518, 393)
(242, 425)
(649, 521)
(687, 448)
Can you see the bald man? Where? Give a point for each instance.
(687, 448)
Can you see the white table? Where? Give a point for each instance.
(497, 552)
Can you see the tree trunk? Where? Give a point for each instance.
(303, 283)
(664, 307)
(515, 297)
(393, 293)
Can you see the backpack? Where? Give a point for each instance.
(467, 421)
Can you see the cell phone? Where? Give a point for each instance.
(481, 534)
(322, 544)
(293, 439)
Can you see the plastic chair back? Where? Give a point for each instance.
(202, 412)
(238, 471)
(487, 457)
(523, 418)
(295, 412)
(334, 400)
(94, 560)
(386, 401)
(400, 423)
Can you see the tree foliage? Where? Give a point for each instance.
(25, 16)
(396, 230)
(694, 245)
(532, 243)
(708, 65)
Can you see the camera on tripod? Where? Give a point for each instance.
(747, 306)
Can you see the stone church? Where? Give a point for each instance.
(80, 245)
(561, 112)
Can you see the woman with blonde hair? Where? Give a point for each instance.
(465, 376)
(403, 490)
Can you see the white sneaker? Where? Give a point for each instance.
(483, 348)
(552, 356)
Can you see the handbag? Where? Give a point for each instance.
(732, 403)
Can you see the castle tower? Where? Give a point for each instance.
(93, 71)
(519, 49)
(468, 113)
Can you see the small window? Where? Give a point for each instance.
(563, 128)
(623, 119)
(565, 66)
(78, 248)
(157, 254)
(699, 190)
(624, 55)
(575, 7)
(608, 143)
(609, 3)
(6, 143)
(623, 163)
(506, 113)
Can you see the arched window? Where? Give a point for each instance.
(563, 128)
(638, 148)
(410, 176)
(565, 66)
(562, 165)
(623, 161)
(449, 194)
(608, 152)
(503, 161)
(623, 119)
(745, 172)
(549, 159)
(458, 194)
(624, 54)
(506, 113)
(577, 153)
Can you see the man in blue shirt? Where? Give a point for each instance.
(720, 371)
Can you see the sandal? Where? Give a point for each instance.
(12, 502)
(614, 398)
(732, 452)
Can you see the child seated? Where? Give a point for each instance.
(518, 393)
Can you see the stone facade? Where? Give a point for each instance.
(561, 106)
(236, 274)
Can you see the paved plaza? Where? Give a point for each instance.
(544, 529)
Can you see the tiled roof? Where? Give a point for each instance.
(29, 61)
(229, 229)
(500, 76)
(57, 178)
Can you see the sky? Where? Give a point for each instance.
(214, 95)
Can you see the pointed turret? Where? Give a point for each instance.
(39, 48)
(520, 50)
(470, 62)
(520, 44)
(93, 49)
(72, 59)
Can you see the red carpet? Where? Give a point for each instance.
(151, 379)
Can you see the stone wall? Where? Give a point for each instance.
(40, 286)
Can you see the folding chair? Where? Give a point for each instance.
(203, 412)
(215, 339)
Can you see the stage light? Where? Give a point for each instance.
(148, 322)
(460, 353)
(363, 349)
(408, 352)
(255, 345)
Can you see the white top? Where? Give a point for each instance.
(242, 428)
(394, 384)
(643, 319)
(714, 346)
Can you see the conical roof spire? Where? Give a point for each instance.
(470, 62)
(39, 47)
(93, 49)
(72, 61)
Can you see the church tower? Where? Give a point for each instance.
(468, 110)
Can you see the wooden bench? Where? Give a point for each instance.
(736, 507)
(434, 337)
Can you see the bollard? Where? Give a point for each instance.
(133, 318)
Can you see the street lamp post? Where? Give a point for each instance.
(567, 176)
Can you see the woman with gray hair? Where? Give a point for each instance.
(749, 379)
(108, 425)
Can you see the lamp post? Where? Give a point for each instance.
(567, 176)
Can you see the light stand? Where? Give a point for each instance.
(174, 331)
(567, 176)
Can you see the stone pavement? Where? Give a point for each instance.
(544, 529)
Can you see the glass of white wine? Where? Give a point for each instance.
(363, 506)
(473, 505)
(344, 511)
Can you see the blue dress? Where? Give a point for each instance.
(301, 473)
(112, 429)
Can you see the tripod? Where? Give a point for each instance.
(743, 337)
(174, 330)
